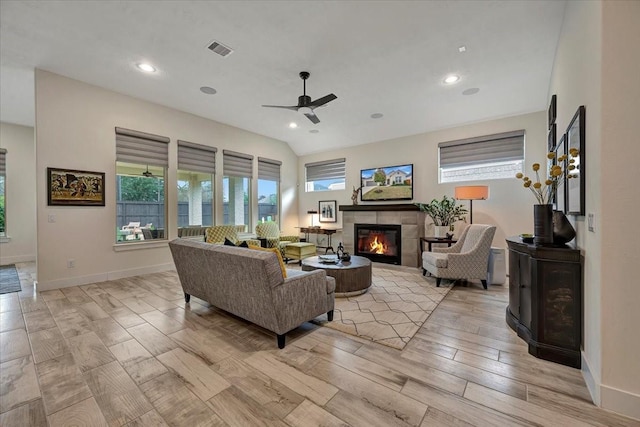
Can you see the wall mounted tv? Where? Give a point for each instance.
(387, 183)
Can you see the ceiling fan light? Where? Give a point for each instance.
(305, 110)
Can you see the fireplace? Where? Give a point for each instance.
(379, 242)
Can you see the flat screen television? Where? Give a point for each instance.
(387, 183)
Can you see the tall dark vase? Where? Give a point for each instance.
(543, 225)
(563, 231)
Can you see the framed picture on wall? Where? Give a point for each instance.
(561, 191)
(328, 210)
(551, 139)
(69, 187)
(552, 111)
(575, 184)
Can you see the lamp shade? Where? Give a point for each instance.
(472, 192)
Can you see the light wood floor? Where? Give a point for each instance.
(132, 352)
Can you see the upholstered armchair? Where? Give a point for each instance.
(270, 232)
(468, 258)
(218, 233)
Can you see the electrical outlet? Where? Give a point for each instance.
(71, 263)
(51, 218)
(591, 222)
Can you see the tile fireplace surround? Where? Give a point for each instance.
(407, 215)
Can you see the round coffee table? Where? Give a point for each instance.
(352, 277)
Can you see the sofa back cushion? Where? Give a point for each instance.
(267, 230)
(218, 233)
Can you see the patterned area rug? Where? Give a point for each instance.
(9, 280)
(393, 309)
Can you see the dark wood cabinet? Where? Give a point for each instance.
(545, 300)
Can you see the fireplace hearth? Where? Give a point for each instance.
(379, 242)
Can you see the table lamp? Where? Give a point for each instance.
(471, 193)
(312, 213)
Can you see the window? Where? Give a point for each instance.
(236, 187)
(481, 158)
(3, 200)
(196, 168)
(326, 175)
(141, 167)
(268, 189)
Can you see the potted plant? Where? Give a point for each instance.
(444, 214)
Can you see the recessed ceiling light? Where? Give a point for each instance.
(462, 48)
(208, 90)
(451, 79)
(314, 131)
(293, 125)
(376, 115)
(147, 68)
(471, 91)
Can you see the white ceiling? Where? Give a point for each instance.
(385, 57)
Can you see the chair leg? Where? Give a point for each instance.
(330, 315)
(280, 340)
(424, 271)
(438, 282)
(484, 284)
(187, 297)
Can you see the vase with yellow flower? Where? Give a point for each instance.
(544, 192)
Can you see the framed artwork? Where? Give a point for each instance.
(328, 210)
(575, 184)
(560, 197)
(551, 139)
(552, 111)
(68, 187)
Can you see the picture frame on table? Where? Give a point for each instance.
(575, 183)
(560, 198)
(71, 187)
(328, 210)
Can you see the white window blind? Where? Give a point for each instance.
(142, 148)
(328, 169)
(196, 157)
(237, 164)
(3, 161)
(269, 169)
(503, 147)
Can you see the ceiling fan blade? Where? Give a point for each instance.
(313, 118)
(321, 101)
(294, 108)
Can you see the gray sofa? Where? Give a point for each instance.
(250, 284)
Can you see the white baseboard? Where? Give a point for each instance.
(612, 399)
(7, 260)
(620, 401)
(102, 277)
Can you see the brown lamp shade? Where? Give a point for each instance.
(472, 192)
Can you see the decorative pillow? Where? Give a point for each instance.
(278, 254)
(228, 242)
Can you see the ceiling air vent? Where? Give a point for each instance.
(220, 49)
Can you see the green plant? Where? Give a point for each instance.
(444, 212)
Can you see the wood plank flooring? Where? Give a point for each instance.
(132, 352)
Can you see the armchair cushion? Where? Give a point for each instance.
(218, 233)
(434, 258)
(271, 233)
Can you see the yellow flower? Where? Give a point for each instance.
(519, 175)
(536, 167)
(574, 152)
(548, 182)
(527, 184)
(551, 155)
(544, 188)
(537, 185)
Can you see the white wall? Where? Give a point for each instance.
(75, 125)
(594, 67)
(20, 244)
(510, 206)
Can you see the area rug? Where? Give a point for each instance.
(9, 280)
(396, 305)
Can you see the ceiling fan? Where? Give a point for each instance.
(305, 104)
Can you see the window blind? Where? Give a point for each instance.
(500, 147)
(140, 147)
(3, 161)
(196, 157)
(328, 169)
(269, 169)
(237, 164)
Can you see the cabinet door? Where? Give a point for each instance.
(514, 283)
(524, 261)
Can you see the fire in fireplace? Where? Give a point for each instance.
(378, 242)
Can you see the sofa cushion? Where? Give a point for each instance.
(242, 244)
(275, 251)
(436, 259)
